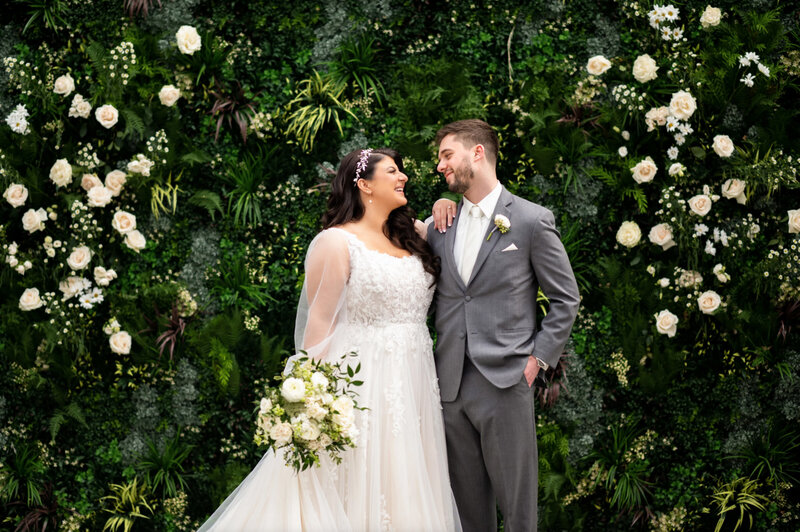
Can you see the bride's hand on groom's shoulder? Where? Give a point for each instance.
(443, 211)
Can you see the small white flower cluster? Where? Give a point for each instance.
(751, 58)
(86, 156)
(23, 77)
(158, 146)
(421, 45)
(627, 97)
(260, 124)
(79, 108)
(19, 266)
(123, 57)
(659, 16)
(17, 120)
(140, 165)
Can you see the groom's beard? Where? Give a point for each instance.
(462, 179)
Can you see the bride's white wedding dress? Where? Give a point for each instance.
(396, 478)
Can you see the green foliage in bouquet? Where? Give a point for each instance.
(311, 412)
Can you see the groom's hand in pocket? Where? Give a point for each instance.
(531, 370)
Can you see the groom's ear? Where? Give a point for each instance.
(479, 153)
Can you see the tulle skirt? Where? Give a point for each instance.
(396, 477)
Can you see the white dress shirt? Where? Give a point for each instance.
(486, 205)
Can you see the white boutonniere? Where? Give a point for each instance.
(502, 223)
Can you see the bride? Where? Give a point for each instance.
(369, 281)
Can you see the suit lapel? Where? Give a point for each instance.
(503, 207)
(449, 244)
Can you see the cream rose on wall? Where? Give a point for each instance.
(107, 115)
(667, 323)
(188, 40)
(644, 171)
(64, 85)
(16, 195)
(629, 234)
(645, 69)
(597, 65)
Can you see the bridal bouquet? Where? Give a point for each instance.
(312, 410)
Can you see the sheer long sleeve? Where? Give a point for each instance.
(322, 301)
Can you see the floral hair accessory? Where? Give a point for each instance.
(362, 163)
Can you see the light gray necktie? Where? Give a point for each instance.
(472, 242)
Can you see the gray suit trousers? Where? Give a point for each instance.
(491, 453)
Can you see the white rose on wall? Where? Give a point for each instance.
(140, 165)
(734, 189)
(188, 40)
(629, 234)
(103, 277)
(89, 181)
(124, 222)
(682, 105)
(597, 65)
(169, 95)
(79, 258)
(723, 145)
(667, 323)
(61, 173)
(30, 300)
(722, 276)
(115, 180)
(33, 220)
(677, 169)
(644, 69)
(644, 171)
(120, 342)
(709, 302)
(107, 115)
(16, 195)
(711, 17)
(99, 196)
(700, 204)
(135, 240)
(64, 85)
(661, 235)
(794, 221)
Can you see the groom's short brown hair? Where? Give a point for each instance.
(471, 132)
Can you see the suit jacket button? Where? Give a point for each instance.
(461, 335)
(468, 298)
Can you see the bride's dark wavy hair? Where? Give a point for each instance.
(344, 205)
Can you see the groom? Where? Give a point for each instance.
(489, 348)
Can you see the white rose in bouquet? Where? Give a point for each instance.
(644, 171)
(89, 181)
(700, 204)
(61, 173)
(103, 277)
(723, 145)
(265, 405)
(99, 196)
(318, 380)
(794, 220)
(734, 189)
(315, 410)
(343, 405)
(79, 258)
(120, 342)
(33, 220)
(124, 222)
(711, 17)
(309, 430)
(79, 108)
(667, 323)
(64, 85)
(629, 234)
(661, 235)
(72, 285)
(135, 240)
(682, 105)
(16, 194)
(709, 302)
(597, 65)
(30, 300)
(644, 69)
(115, 180)
(168, 95)
(107, 115)
(293, 390)
(282, 433)
(188, 40)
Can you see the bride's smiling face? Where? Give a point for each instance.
(388, 184)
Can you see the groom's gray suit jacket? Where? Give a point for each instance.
(492, 318)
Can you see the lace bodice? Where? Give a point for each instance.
(386, 290)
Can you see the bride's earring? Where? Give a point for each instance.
(370, 200)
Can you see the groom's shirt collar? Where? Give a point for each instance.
(487, 204)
